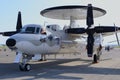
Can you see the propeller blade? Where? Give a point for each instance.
(75, 30)
(89, 19)
(90, 43)
(105, 29)
(10, 33)
(19, 22)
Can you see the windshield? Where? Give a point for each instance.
(28, 30)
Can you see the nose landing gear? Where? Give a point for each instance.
(24, 66)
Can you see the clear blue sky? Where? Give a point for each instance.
(31, 12)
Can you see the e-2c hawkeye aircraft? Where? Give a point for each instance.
(32, 40)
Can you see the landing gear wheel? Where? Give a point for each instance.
(21, 67)
(26, 67)
(95, 58)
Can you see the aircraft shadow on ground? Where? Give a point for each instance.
(53, 70)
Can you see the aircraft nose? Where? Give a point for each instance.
(11, 42)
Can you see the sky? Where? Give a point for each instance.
(30, 10)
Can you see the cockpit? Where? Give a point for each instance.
(33, 29)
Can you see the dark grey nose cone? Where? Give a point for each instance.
(11, 42)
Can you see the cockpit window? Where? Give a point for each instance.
(37, 30)
(28, 30)
(32, 29)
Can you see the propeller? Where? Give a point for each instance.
(18, 27)
(90, 31)
(97, 29)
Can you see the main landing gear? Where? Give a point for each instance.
(96, 57)
(24, 66)
(43, 57)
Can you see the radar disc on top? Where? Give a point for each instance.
(77, 12)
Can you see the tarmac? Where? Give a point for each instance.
(63, 67)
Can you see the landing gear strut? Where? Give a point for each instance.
(43, 57)
(24, 66)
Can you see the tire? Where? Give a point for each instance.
(27, 67)
(95, 58)
(21, 67)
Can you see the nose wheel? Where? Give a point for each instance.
(24, 67)
(95, 58)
